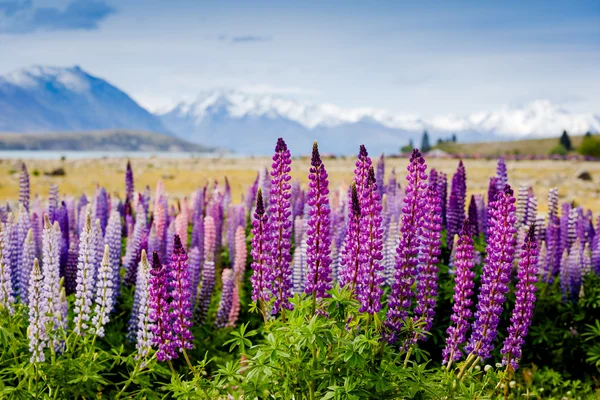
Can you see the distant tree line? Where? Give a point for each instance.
(589, 146)
(425, 144)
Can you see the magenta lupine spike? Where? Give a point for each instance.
(428, 259)
(350, 259)
(27, 257)
(261, 253)
(162, 331)
(457, 200)
(239, 267)
(102, 209)
(552, 203)
(134, 251)
(473, 217)
(208, 270)
(180, 312)
(129, 184)
(524, 303)
(50, 269)
(361, 171)
(195, 269)
(112, 238)
(318, 278)
(371, 275)
(103, 302)
(406, 260)
(501, 175)
(38, 319)
(144, 326)
(24, 187)
(496, 274)
(463, 292)
(84, 292)
(280, 225)
(181, 229)
(595, 248)
(380, 176)
(226, 297)
(7, 297)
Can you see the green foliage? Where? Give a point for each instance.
(559, 150)
(565, 141)
(590, 146)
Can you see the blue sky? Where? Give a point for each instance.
(421, 57)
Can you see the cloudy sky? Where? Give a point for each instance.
(420, 57)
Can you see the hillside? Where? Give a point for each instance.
(108, 140)
(538, 147)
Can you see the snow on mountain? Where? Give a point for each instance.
(230, 117)
(45, 99)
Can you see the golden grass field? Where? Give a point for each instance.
(182, 176)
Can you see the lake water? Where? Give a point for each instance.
(78, 155)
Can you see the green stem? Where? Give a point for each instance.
(126, 385)
(408, 353)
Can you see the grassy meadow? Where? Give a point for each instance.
(182, 176)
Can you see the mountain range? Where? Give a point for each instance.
(51, 99)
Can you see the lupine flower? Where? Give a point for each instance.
(24, 187)
(473, 214)
(18, 238)
(552, 203)
(261, 253)
(50, 269)
(481, 213)
(406, 260)
(281, 227)
(102, 208)
(531, 214)
(239, 268)
(195, 268)
(162, 332)
(112, 239)
(99, 242)
(180, 312)
(160, 216)
(442, 188)
(7, 298)
(84, 292)
(36, 225)
(463, 291)
(62, 217)
(38, 319)
(299, 259)
(71, 269)
(524, 304)
(169, 238)
(133, 252)
(492, 191)
(181, 227)
(551, 265)
(145, 325)
(496, 274)
(501, 175)
(380, 175)
(129, 185)
(361, 172)
(52, 202)
(370, 277)
(457, 200)
(350, 260)
(226, 297)
(318, 279)
(565, 275)
(391, 244)
(208, 270)
(216, 211)
(104, 296)
(428, 258)
(27, 257)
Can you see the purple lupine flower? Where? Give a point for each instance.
(36, 225)
(99, 241)
(52, 202)
(350, 259)
(524, 304)
(18, 239)
(62, 217)
(522, 204)
(496, 274)
(104, 294)
(27, 257)
(552, 203)
(299, 259)
(7, 298)
(170, 236)
(71, 221)
(216, 211)
(84, 292)
(112, 239)
(391, 243)
(145, 326)
(428, 258)
(596, 250)
(24, 187)
(50, 269)
(370, 277)
(575, 265)
(551, 265)
(492, 191)
(380, 176)
(565, 240)
(129, 184)
(261, 253)
(463, 290)
(281, 227)
(318, 235)
(457, 200)
(102, 208)
(71, 269)
(226, 297)
(208, 270)
(531, 214)
(473, 217)
(442, 188)
(565, 275)
(501, 175)
(481, 213)
(198, 221)
(195, 269)
(406, 260)
(134, 250)
(361, 172)
(159, 300)
(38, 315)
(180, 312)
(239, 267)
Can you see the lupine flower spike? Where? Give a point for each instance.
(180, 313)
(104, 295)
(38, 319)
(159, 311)
(6, 289)
(261, 254)
(145, 325)
(84, 292)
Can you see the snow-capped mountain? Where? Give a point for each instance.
(236, 120)
(44, 99)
